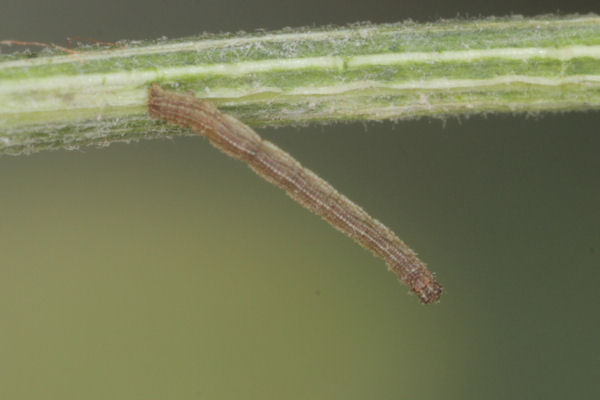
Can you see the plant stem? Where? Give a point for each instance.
(55, 99)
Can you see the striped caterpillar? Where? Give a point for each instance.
(278, 167)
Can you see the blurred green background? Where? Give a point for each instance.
(164, 269)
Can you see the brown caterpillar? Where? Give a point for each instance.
(278, 167)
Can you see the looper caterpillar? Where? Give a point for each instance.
(278, 167)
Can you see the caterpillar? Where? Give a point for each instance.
(241, 142)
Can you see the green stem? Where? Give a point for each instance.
(291, 77)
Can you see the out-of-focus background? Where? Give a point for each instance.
(164, 269)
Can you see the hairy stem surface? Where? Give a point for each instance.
(56, 99)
